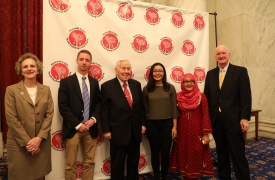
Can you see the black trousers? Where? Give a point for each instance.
(159, 133)
(118, 157)
(230, 145)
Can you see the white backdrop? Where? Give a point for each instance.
(111, 30)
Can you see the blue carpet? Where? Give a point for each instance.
(3, 169)
(260, 156)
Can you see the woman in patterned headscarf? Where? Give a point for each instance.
(191, 153)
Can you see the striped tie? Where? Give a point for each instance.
(86, 100)
(220, 83)
(127, 95)
(221, 78)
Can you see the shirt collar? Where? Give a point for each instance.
(225, 68)
(121, 83)
(79, 76)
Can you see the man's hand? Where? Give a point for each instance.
(83, 128)
(90, 123)
(143, 129)
(107, 135)
(244, 125)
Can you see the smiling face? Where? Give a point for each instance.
(123, 70)
(222, 55)
(158, 73)
(83, 61)
(188, 83)
(29, 69)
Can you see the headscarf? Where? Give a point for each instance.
(187, 99)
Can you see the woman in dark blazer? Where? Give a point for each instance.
(29, 110)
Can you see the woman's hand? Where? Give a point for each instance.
(174, 134)
(205, 139)
(36, 151)
(33, 144)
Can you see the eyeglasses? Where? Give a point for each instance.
(158, 71)
(126, 68)
(191, 82)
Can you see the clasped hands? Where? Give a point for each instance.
(86, 126)
(108, 135)
(33, 145)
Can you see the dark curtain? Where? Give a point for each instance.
(13, 42)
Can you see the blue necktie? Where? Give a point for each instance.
(86, 100)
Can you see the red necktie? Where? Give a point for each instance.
(127, 95)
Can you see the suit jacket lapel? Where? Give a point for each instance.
(132, 89)
(24, 93)
(76, 85)
(40, 92)
(216, 78)
(91, 89)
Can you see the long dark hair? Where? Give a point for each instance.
(151, 82)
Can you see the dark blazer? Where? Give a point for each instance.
(70, 103)
(234, 98)
(116, 115)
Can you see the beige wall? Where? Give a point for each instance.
(199, 5)
(247, 27)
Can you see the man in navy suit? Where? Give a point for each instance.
(76, 129)
(123, 121)
(227, 88)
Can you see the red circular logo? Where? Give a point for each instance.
(106, 167)
(110, 41)
(140, 44)
(200, 74)
(79, 170)
(152, 16)
(188, 48)
(77, 38)
(177, 19)
(60, 5)
(199, 22)
(94, 8)
(100, 138)
(125, 12)
(95, 71)
(142, 162)
(166, 46)
(177, 74)
(59, 71)
(146, 75)
(57, 142)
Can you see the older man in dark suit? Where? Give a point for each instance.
(78, 98)
(123, 120)
(227, 88)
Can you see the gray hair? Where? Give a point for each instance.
(119, 61)
(222, 46)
